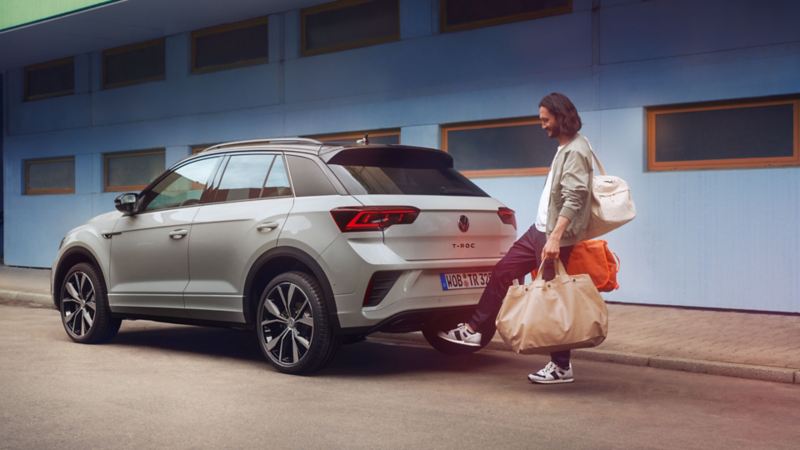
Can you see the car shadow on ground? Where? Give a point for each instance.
(366, 358)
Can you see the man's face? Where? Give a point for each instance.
(549, 122)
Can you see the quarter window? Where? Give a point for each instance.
(50, 79)
(751, 133)
(131, 171)
(181, 187)
(499, 148)
(349, 24)
(308, 179)
(50, 176)
(459, 15)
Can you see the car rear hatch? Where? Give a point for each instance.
(455, 219)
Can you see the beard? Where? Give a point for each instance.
(553, 131)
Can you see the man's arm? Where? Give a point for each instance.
(553, 245)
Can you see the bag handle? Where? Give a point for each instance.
(558, 266)
(594, 157)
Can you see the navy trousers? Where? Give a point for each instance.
(523, 257)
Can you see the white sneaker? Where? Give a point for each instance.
(552, 374)
(462, 335)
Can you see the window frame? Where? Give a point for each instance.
(445, 28)
(730, 163)
(47, 191)
(496, 123)
(216, 180)
(56, 62)
(332, 6)
(125, 49)
(134, 187)
(347, 135)
(217, 29)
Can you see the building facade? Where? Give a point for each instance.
(693, 103)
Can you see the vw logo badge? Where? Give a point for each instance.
(463, 224)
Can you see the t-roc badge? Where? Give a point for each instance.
(463, 224)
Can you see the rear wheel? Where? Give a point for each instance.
(293, 328)
(431, 332)
(84, 306)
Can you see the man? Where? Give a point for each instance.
(561, 220)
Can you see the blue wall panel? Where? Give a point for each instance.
(722, 238)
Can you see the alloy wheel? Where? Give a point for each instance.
(287, 324)
(78, 305)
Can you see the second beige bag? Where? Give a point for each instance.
(545, 316)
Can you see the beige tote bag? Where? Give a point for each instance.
(612, 203)
(545, 316)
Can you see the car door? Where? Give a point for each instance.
(149, 268)
(241, 218)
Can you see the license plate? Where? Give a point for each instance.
(464, 280)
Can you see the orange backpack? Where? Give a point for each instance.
(594, 258)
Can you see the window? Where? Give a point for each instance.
(131, 171)
(131, 64)
(375, 137)
(278, 180)
(50, 79)
(457, 15)
(753, 133)
(49, 176)
(243, 179)
(181, 187)
(349, 24)
(229, 46)
(308, 178)
(499, 148)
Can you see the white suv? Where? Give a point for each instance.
(309, 244)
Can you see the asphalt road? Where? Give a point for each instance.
(159, 386)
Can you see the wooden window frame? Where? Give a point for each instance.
(497, 20)
(127, 188)
(498, 123)
(732, 163)
(221, 29)
(341, 4)
(126, 49)
(355, 135)
(48, 191)
(44, 65)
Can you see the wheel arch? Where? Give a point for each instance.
(72, 256)
(280, 260)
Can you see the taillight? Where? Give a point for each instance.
(373, 218)
(507, 216)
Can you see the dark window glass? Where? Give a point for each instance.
(308, 178)
(740, 132)
(458, 14)
(233, 45)
(333, 27)
(50, 79)
(181, 187)
(278, 180)
(50, 176)
(132, 171)
(244, 177)
(501, 147)
(133, 64)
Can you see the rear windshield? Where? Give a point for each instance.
(374, 179)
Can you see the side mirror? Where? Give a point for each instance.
(126, 203)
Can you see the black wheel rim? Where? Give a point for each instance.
(78, 304)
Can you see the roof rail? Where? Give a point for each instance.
(266, 141)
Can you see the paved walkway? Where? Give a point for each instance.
(748, 345)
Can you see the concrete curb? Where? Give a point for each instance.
(751, 372)
(29, 299)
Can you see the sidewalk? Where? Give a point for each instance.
(746, 345)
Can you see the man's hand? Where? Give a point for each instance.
(552, 247)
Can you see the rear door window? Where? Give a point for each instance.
(243, 179)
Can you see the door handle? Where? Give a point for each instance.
(267, 226)
(178, 234)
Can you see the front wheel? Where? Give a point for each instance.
(84, 306)
(293, 328)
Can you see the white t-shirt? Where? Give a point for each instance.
(544, 200)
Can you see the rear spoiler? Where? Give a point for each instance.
(389, 156)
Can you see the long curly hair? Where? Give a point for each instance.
(564, 111)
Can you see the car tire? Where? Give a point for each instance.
(431, 332)
(83, 305)
(292, 324)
